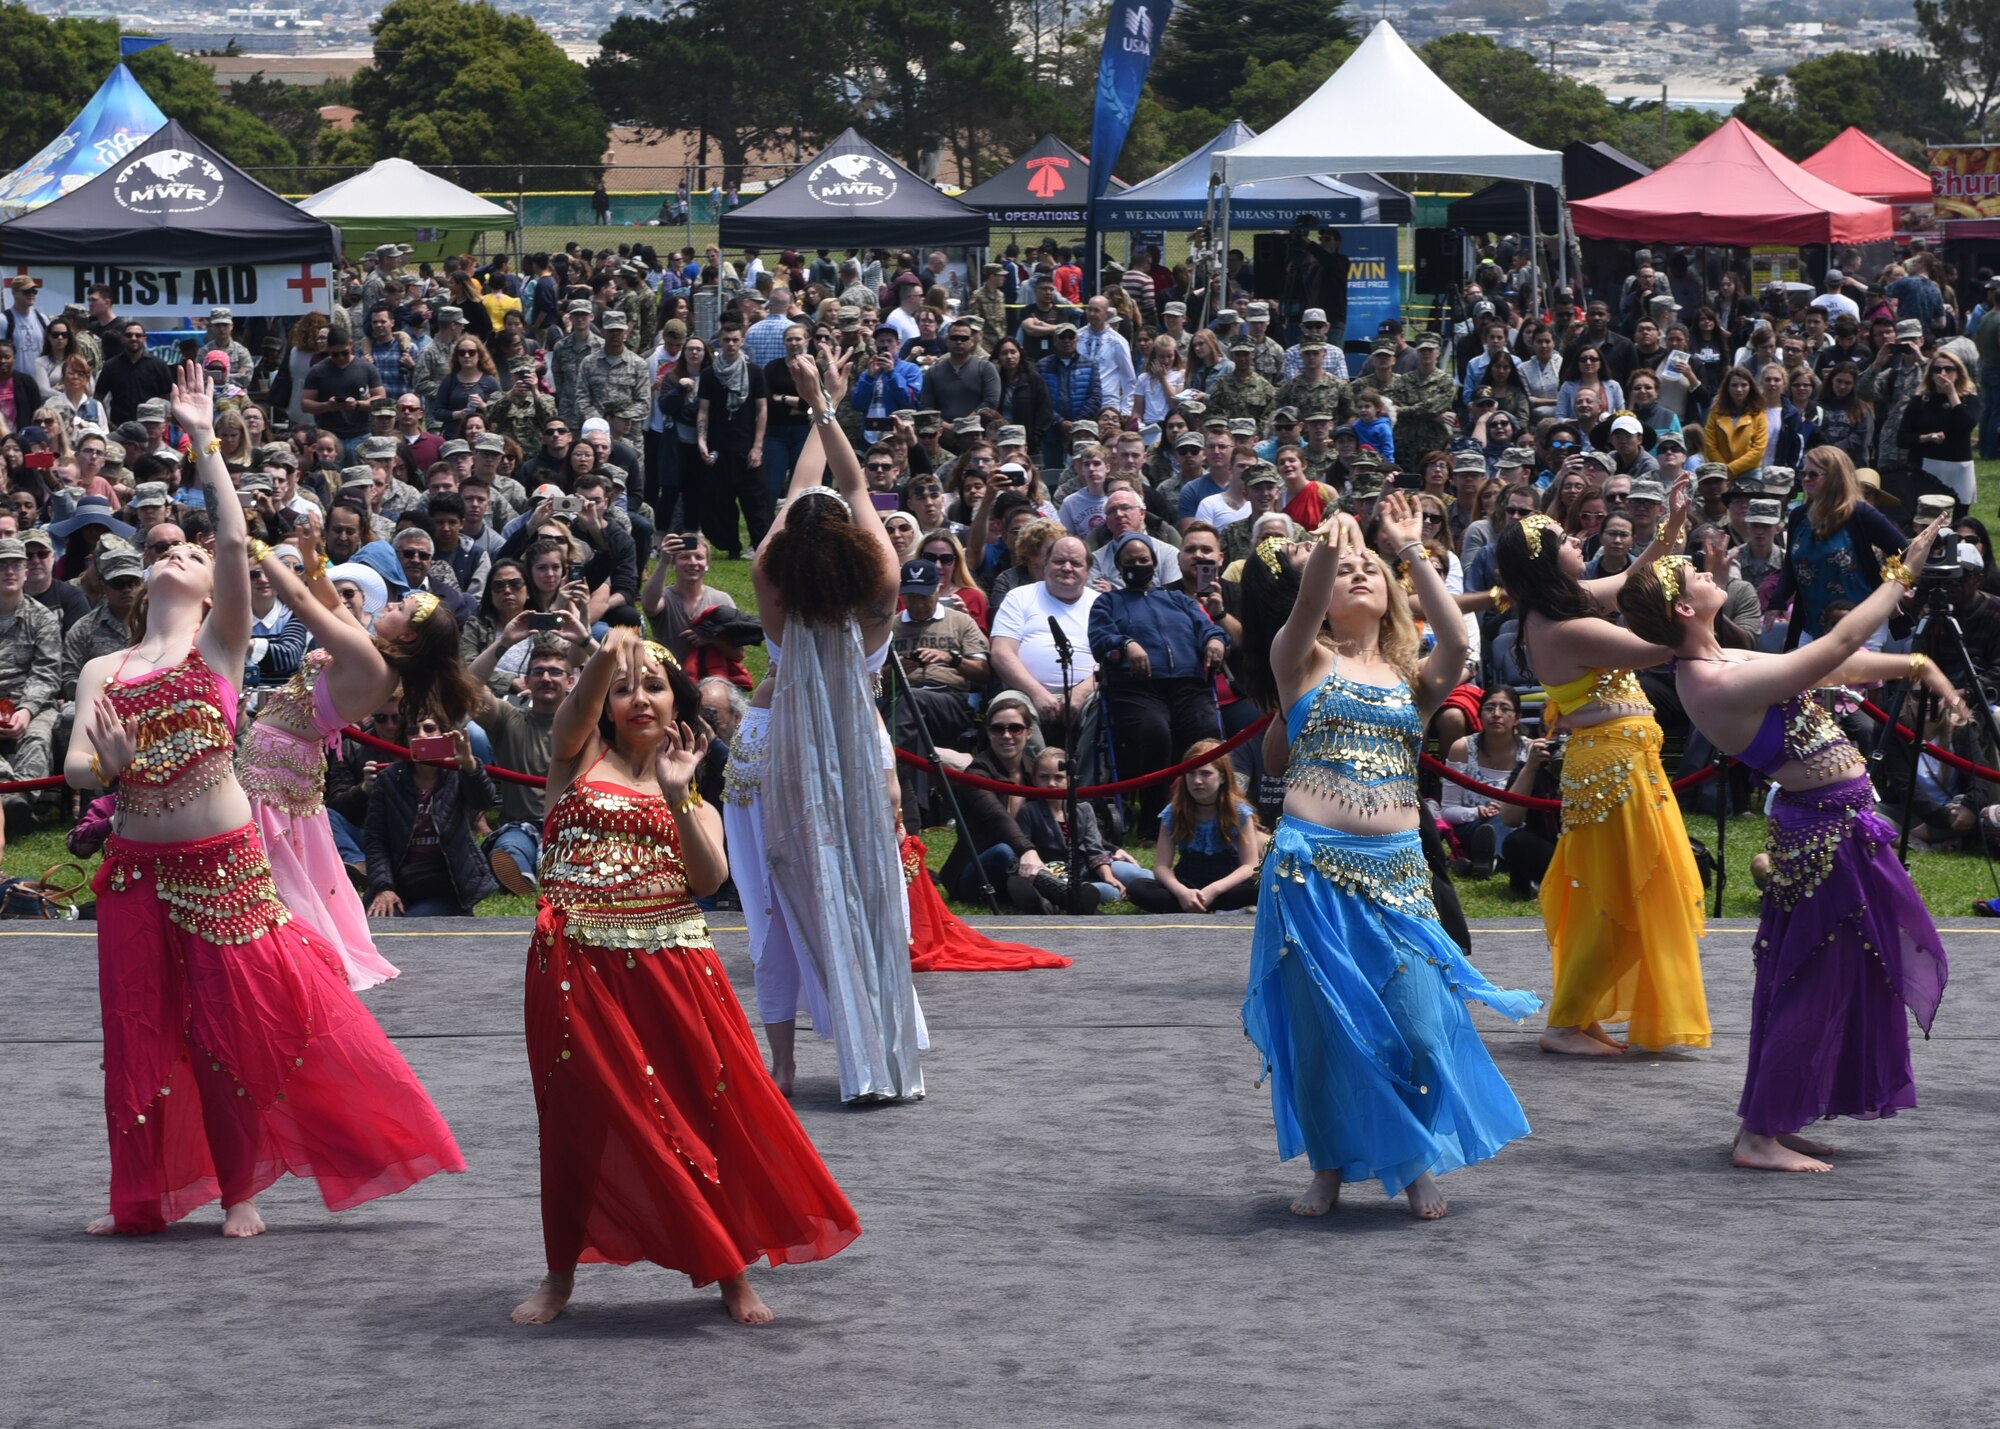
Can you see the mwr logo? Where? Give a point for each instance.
(851, 181)
(168, 181)
(1139, 30)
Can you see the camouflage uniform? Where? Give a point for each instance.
(1269, 360)
(31, 664)
(566, 360)
(605, 379)
(240, 361)
(521, 418)
(1239, 396)
(99, 633)
(1421, 403)
(1325, 393)
(989, 305)
(628, 303)
(433, 362)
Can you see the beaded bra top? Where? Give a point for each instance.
(1355, 743)
(183, 720)
(1612, 689)
(1800, 729)
(279, 767)
(611, 869)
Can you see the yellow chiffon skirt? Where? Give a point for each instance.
(1622, 897)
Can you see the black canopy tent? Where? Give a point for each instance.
(172, 200)
(852, 195)
(1589, 169)
(1049, 184)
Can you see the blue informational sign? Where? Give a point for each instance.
(1374, 281)
(1132, 32)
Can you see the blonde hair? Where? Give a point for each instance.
(1396, 637)
(1839, 490)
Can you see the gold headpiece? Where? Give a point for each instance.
(662, 655)
(1533, 526)
(1668, 569)
(1271, 551)
(422, 606)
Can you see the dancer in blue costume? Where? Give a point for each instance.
(1357, 997)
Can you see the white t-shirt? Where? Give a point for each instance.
(905, 325)
(1217, 511)
(1024, 616)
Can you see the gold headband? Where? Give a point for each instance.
(422, 605)
(1668, 569)
(1271, 551)
(1533, 526)
(662, 655)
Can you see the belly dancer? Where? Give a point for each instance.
(282, 764)
(1357, 996)
(1622, 897)
(808, 816)
(661, 1137)
(234, 1051)
(1846, 951)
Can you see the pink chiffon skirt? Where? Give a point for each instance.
(313, 883)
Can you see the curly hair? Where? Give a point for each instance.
(824, 567)
(432, 668)
(1268, 598)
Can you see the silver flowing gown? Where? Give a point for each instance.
(834, 861)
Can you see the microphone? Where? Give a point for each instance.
(1063, 650)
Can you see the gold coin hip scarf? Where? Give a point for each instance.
(1608, 763)
(219, 889)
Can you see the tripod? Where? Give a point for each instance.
(950, 794)
(1066, 657)
(1937, 632)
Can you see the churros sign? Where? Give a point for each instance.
(1965, 181)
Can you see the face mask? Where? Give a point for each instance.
(1137, 577)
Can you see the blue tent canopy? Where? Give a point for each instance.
(1177, 197)
(119, 118)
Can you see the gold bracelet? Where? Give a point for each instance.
(260, 551)
(1893, 569)
(214, 446)
(1918, 660)
(690, 802)
(315, 568)
(1501, 601)
(97, 771)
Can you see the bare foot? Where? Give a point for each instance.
(784, 1067)
(1427, 1202)
(1575, 1042)
(1805, 1145)
(1597, 1033)
(783, 1073)
(1321, 1195)
(742, 1302)
(547, 1302)
(103, 1225)
(1767, 1153)
(241, 1221)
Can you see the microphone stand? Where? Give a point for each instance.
(1066, 658)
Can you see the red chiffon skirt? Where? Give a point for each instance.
(939, 943)
(663, 1137)
(233, 1050)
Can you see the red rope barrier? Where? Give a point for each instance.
(506, 776)
(1531, 801)
(1906, 734)
(22, 786)
(1090, 791)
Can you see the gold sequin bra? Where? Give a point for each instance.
(184, 738)
(612, 867)
(1356, 744)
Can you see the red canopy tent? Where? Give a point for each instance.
(1732, 189)
(1858, 164)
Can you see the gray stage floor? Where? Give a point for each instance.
(1084, 1224)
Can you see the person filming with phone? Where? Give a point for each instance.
(423, 861)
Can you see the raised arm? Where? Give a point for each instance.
(225, 634)
(1292, 647)
(358, 678)
(575, 727)
(1401, 526)
(1666, 542)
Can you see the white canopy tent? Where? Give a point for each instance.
(395, 199)
(1386, 111)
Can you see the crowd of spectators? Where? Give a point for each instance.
(1073, 481)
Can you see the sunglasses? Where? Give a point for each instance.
(507, 585)
(881, 466)
(1518, 512)
(160, 548)
(943, 558)
(1006, 730)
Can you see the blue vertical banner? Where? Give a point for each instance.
(1132, 33)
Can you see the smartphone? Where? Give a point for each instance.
(434, 749)
(542, 620)
(690, 540)
(39, 461)
(1204, 577)
(885, 501)
(566, 507)
(247, 500)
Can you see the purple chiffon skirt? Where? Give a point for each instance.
(1844, 947)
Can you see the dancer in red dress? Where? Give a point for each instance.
(233, 1050)
(663, 1137)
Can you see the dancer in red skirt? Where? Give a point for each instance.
(663, 1137)
(233, 1050)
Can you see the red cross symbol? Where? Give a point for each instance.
(305, 285)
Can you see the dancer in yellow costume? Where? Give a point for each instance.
(1622, 897)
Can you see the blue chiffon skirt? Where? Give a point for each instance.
(1357, 1003)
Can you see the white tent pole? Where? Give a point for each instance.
(1534, 235)
(1221, 238)
(1565, 235)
